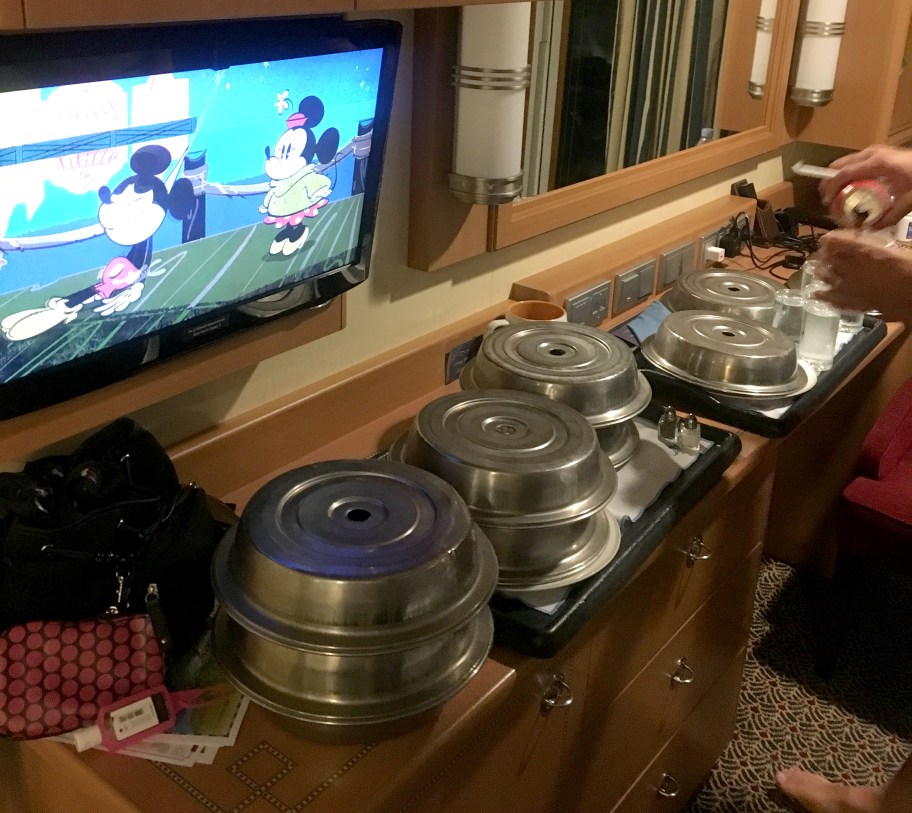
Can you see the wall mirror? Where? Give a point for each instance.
(621, 91)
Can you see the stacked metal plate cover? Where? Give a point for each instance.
(727, 354)
(587, 369)
(533, 475)
(353, 598)
(734, 293)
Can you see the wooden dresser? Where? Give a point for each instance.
(638, 705)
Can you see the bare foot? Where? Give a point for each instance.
(819, 795)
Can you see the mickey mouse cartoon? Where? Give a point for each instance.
(296, 190)
(130, 216)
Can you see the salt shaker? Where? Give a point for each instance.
(668, 426)
(688, 435)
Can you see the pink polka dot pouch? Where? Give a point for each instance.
(56, 675)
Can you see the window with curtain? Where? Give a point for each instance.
(639, 82)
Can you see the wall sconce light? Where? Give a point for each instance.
(820, 33)
(765, 21)
(491, 80)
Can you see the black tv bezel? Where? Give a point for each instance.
(46, 59)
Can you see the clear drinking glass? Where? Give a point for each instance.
(788, 315)
(851, 321)
(817, 345)
(810, 281)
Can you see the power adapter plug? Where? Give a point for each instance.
(714, 255)
(730, 241)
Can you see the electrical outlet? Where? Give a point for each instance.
(589, 307)
(459, 356)
(707, 240)
(634, 286)
(676, 261)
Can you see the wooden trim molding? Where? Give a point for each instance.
(521, 221)
(442, 229)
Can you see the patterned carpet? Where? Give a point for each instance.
(856, 728)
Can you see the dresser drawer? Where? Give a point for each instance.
(681, 766)
(623, 737)
(693, 560)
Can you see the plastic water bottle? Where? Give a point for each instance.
(706, 135)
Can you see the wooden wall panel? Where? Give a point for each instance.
(442, 229)
(52, 14)
(11, 16)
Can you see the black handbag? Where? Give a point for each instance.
(85, 533)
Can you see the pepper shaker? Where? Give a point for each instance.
(668, 427)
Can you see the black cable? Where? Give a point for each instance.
(791, 248)
(779, 276)
(765, 265)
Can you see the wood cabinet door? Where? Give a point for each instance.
(51, 14)
(697, 556)
(11, 15)
(676, 773)
(623, 737)
(515, 763)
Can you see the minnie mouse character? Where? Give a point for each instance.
(129, 215)
(296, 189)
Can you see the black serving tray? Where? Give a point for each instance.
(540, 635)
(693, 398)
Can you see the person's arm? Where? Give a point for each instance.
(864, 273)
(892, 165)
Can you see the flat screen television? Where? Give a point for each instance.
(162, 187)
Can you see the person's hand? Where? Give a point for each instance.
(864, 273)
(892, 165)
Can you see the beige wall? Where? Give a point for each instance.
(398, 303)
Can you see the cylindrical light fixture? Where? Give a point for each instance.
(820, 33)
(491, 80)
(756, 86)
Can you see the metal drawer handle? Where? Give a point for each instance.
(697, 552)
(558, 695)
(682, 674)
(668, 786)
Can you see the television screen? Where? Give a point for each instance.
(162, 187)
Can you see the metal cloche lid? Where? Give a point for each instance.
(727, 354)
(738, 293)
(354, 556)
(350, 519)
(580, 366)
(517, 458)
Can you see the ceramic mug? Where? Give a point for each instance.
(528, 310)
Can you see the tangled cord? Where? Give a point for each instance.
(797, 247)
